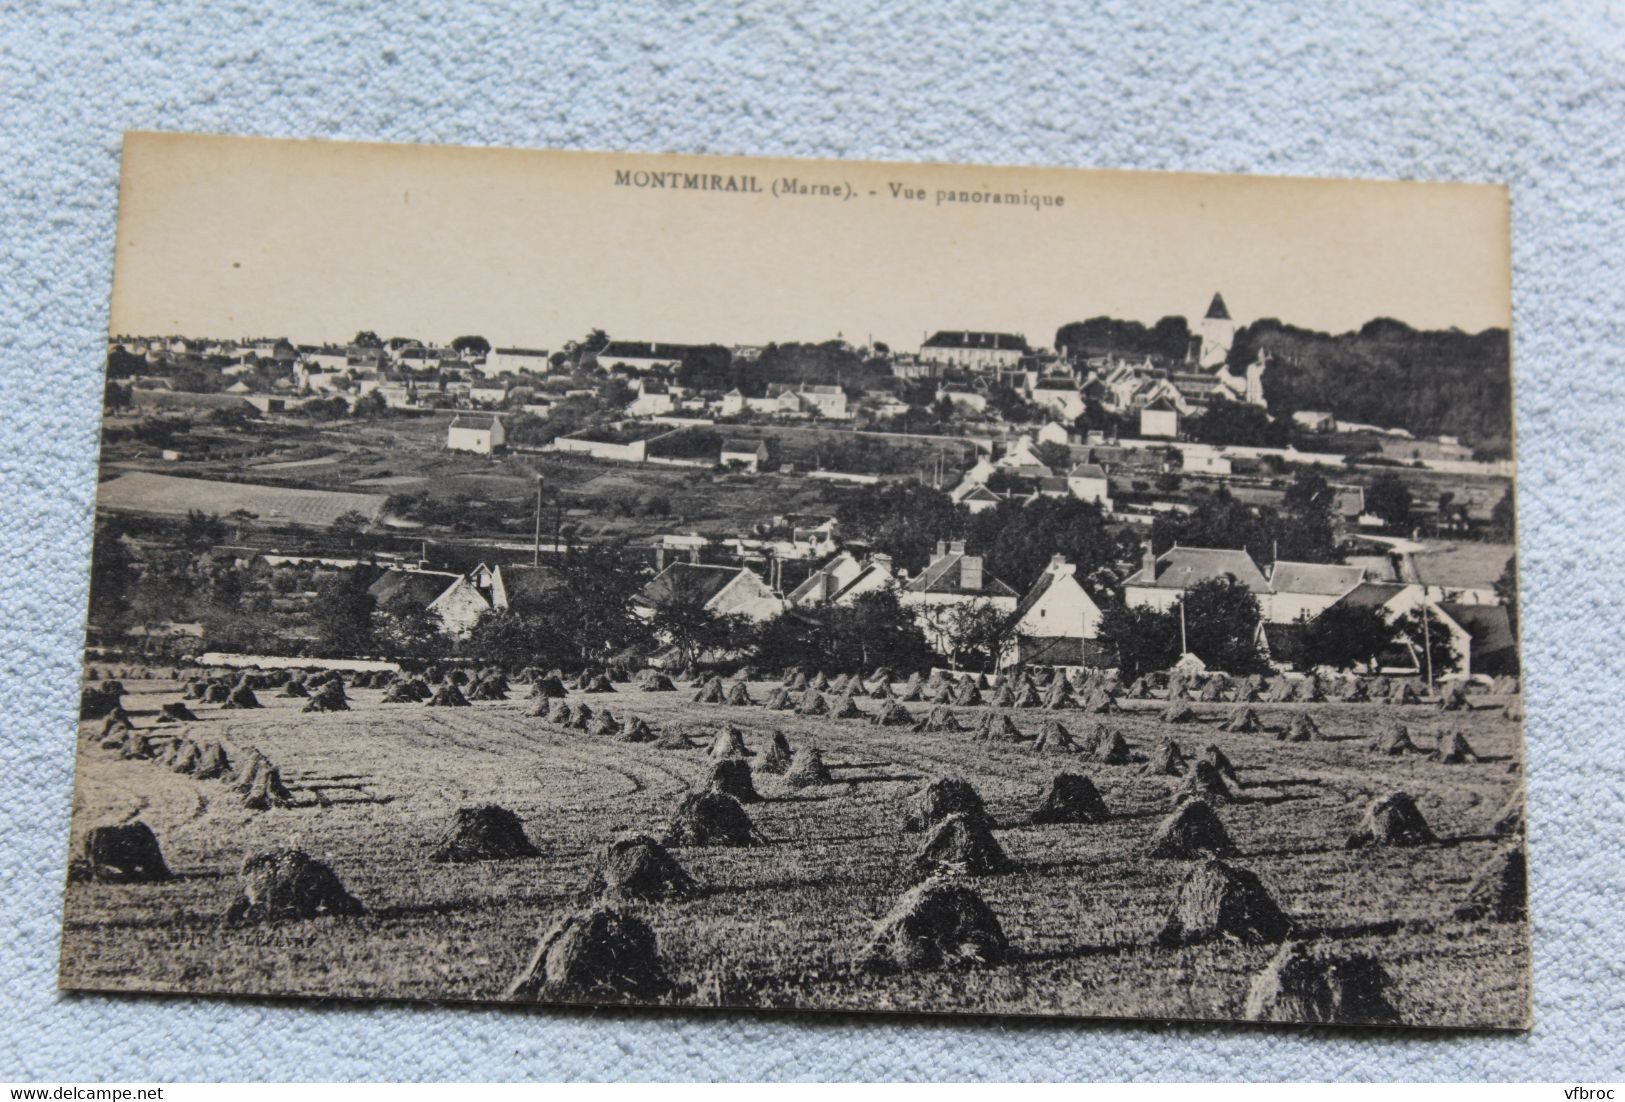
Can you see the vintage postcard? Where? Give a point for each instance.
(716, 582)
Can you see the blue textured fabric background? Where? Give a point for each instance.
(1497, 92)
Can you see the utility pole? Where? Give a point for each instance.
(1184, 647)
(536, 551)
(1427, 638)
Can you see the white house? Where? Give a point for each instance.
(1396, 601)
(1314, 420)
(1248, 387)
(1159, 419)
(487, 394)
(459, 600)
(1088, 482)
(326, 357)
(1055, 622)
(1307, 588)
(843, 580)
(653, 400)
(826, 401)
(312, 377)
(822, 584)
(640, 356)
(950, 579)
(885, 405)
(723, 590)
(1204, 459)
(749, 455)
(1061, 396)
(978, 499)
(483, 435)
(963, 398)
(979, 351)
(734, 403)
(511, 361)
(1021, 456)
(977, 475)
(396, 395)
(1054, 433)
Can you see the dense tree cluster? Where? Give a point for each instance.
(1343, 637)
(1167, 340)
(1221, 520)
(1386, 373)
(875, 630)
(903, 519)
(1224, 424)
(1016, 541)
(1219, 623)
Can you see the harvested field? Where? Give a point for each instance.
(782, 922)
(165, 495)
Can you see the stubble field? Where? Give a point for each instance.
(779, 924)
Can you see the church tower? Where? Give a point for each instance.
(1217, 332)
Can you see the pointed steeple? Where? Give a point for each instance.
(1216, 308)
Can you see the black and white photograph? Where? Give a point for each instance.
(680, 581)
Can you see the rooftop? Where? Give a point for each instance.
(417, 586)
(1325, 579)
(966, 338)
(689, 580)
(1372, 594)
(945, 574)
(473, 423)
(1183, 567)
(645, 350)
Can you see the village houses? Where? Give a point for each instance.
(722, 590)
(843, 580)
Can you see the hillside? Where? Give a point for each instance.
(1426, 381)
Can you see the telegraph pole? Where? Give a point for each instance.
(536, 551)
(1427, 638)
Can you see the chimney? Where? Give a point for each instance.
(1148, 563)
(660, 558)
(970, 573)
(956, 547)
(881, 560)
(694, 555)
(942, 548)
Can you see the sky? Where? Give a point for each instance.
(237, 237)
